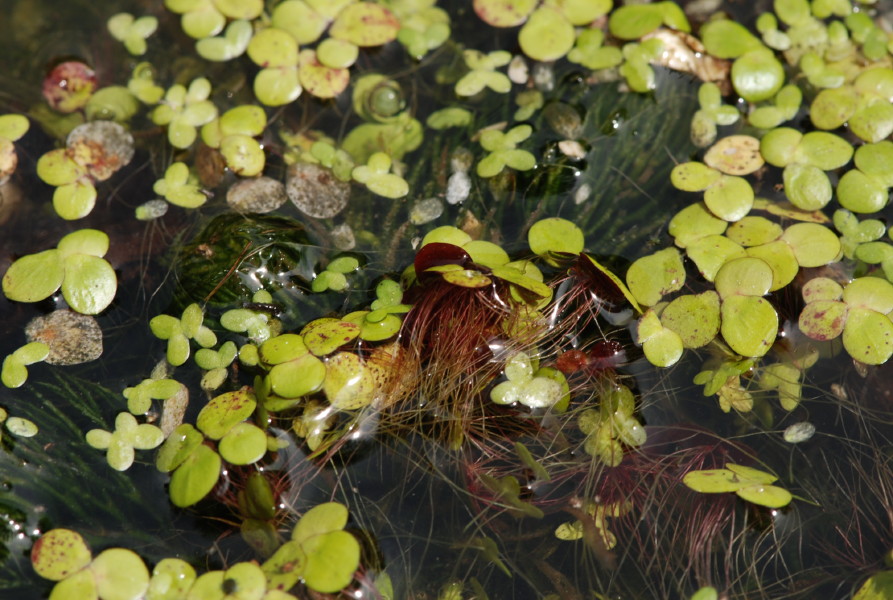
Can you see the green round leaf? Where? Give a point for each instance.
(555, 235)
(833, 107)
(171, 580)
(813, 244)
(349, 384)
(301, 21)
(321, 519)
(693, 176)
(285, 567)
(57, 168)
(757, 75)
(765, 495)
(21, 427)
(177, 447)
(695, 318)
(870, 292)
(222, 413)
(332, 559)
(664, 348)
(651, 277)
(746, 276)
(248, 119)
(873, 122)
(240, 9)
(754, 231)
(282, 348)
(823, 320)
(12, 127)
(337, 54)
(730, 198)
(823, 150)
(34, 277)
(74, 200)
(195, 477)
(324, 336)
(120, 574)
(861, 193)
(244, 444)
(749, 324)
(59, 553)
(693, 223)
(634, 21)
(298, 377)
(876, 160)
(13, 374)
(79, 586)
(499, 13)
(712, 481)
(447, 234)
(84, 241)
(233, 43)
(547, 35)
(277, 86)
(807, 187)
(273, 47)
(365, 24)
(779, 146)
(781, 259)
(90, 283)
(711, 252)
(243, 155)
(727, 39)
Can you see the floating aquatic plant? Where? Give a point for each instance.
(15, 372)
(76, 266)
(183, 109)
(133, 32)
(376, 175)
(748, 483)
(129, 435)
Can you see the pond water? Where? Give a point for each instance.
(494, 440)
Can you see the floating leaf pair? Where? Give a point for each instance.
(233, 133)
(334, 277)
(133, 32)
(320, 552)
(62, 555)
(376, 175)
(15, 372)
(860, 312)
(180, 187)
(76, 265)
(94, 152)
(748, 483)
